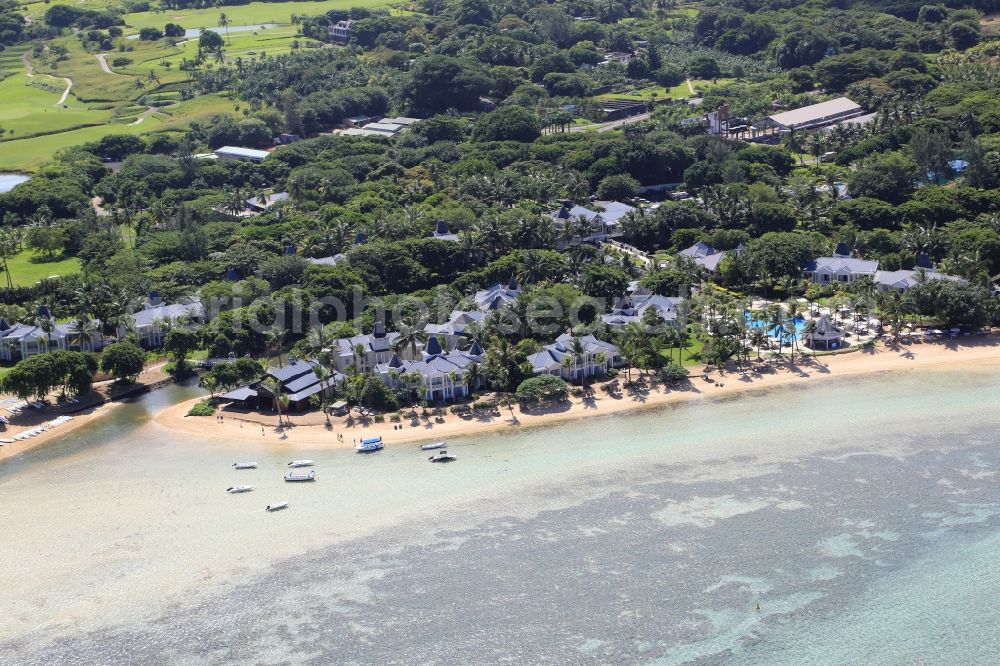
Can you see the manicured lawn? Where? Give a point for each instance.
(27, 268)
(253, 13)
(29, 154)
(27, 109)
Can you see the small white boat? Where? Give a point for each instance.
(431, 447)
(442, 457)
(239, 489)
(370, 444)
(301, 476)
(245, 465)
(277, 506)
(302, 463)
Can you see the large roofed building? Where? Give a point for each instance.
(813, 116)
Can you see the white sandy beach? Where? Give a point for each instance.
(310, 430)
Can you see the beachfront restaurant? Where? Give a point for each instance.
(825, 336)
(298, 380)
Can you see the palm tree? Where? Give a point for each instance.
(224, 22)
(274, 388)
(359, 357)
(758, 336)
(808, 331)
(317, 339)
(323, 375)
(409, 336)
(8, 245)
(85, 329)
(45, 325)
(579, 356)
(473, 375)
(274, 336)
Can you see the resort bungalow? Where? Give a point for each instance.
(902, 281)
(493, 298)
(560, 360)
(441, 232)
(299, 382)
(238, 153)
(704, 255)
(441, 375)
(841, 267)
(262, 203)
(456, 328)
(824, 336)
(21, 341)
(151, 323)
(328, 261)
(631, 308)
(366, 351)
(602, 225)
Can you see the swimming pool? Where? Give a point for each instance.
(799, 324)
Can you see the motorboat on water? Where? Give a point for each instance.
(239, 489)
(245, 465)
(301, 476)
(302, 463)
(431, 447)
(442, 457)
(277, 506)
(370, 444)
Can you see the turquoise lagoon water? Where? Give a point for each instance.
(863, 515)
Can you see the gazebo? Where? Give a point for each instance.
(825, 335)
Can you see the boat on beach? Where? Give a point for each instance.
(277, 506)
(370, 444)
(301, 476)
(431, 447)
(302, 463)
(245, 465)
(442, 457)
(239, 489)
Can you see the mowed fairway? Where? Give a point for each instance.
(27, 109)
(105, 103)
(252, 14)
(29, 154)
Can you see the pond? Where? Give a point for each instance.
(9, 181)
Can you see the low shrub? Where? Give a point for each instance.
(203, 408)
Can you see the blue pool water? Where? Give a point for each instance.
(799, 323)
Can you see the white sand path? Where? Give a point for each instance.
(30, 71)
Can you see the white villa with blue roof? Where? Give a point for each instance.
(367, 350)
(603, 225)
(21, 340)
(597, 358)
(441, 374)
(841, 267)
(904, 280)
(151, 322)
